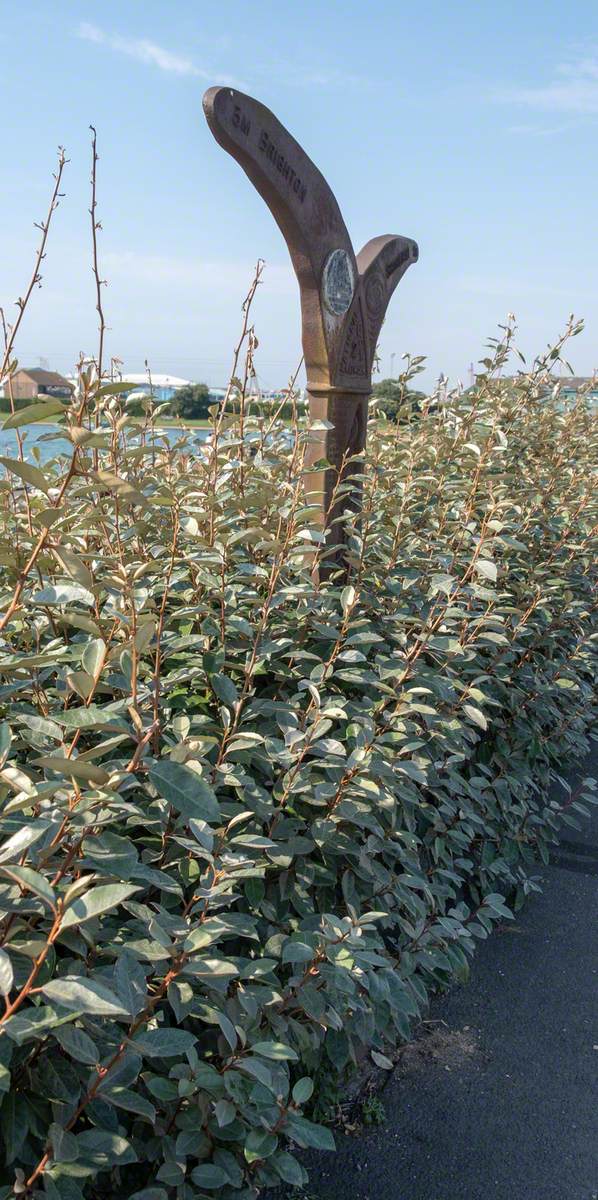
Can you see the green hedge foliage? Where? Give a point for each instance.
(249, 821)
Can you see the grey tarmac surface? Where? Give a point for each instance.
(503, 1102)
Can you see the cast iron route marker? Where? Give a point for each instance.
(344, 296)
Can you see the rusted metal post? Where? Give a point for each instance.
(344, 296)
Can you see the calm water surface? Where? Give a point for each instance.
(46, 441)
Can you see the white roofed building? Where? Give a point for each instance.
(162, 387)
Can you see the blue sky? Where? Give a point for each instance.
(471, 127)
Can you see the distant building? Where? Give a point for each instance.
(573, 384)
(27, 383)
(162, 387)
(570, 386)
(263, 395)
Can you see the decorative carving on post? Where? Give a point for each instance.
(344, 296)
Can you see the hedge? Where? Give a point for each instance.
(250, 821)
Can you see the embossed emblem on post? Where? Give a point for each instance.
(354, 357)
(338, 282)
(375, 303)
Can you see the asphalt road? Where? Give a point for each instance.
(501, 1103)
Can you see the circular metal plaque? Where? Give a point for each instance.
(338, 282)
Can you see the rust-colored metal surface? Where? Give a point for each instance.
(344, 296)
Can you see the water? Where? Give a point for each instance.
(48, 441)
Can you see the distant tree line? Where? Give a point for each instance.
(396, 400)
(191, 402)
(23, 401)
(194, 401)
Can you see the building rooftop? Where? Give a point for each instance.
(574, 383)
(158, 381)
(45, 378)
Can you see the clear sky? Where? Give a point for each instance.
(469, 126)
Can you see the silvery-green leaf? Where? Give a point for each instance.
(225, 1112)
(88, 717)
(83, 994)
(486, 569)
(132, 1101)
(288, 1168)
(476, 715)
(34, 412)
(224, 689)
(308, 1134)
(151, 1193)
(63, 593)
(27, 473)
(41, 725)
(73, 767)
(77, 1044)
(30, 1024)
(163, 1042)
(381, 1060)
(187, 791)
(104, 1149)
(130, 982)
(210, 969)
(209, 1177)
(27, 836)
(275, 1050)
(6, 973)
(33, 882)
(5, 741)
(95, 902)
(74, 566)
(93, 656)
(64, 1144)
(302, 1090)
